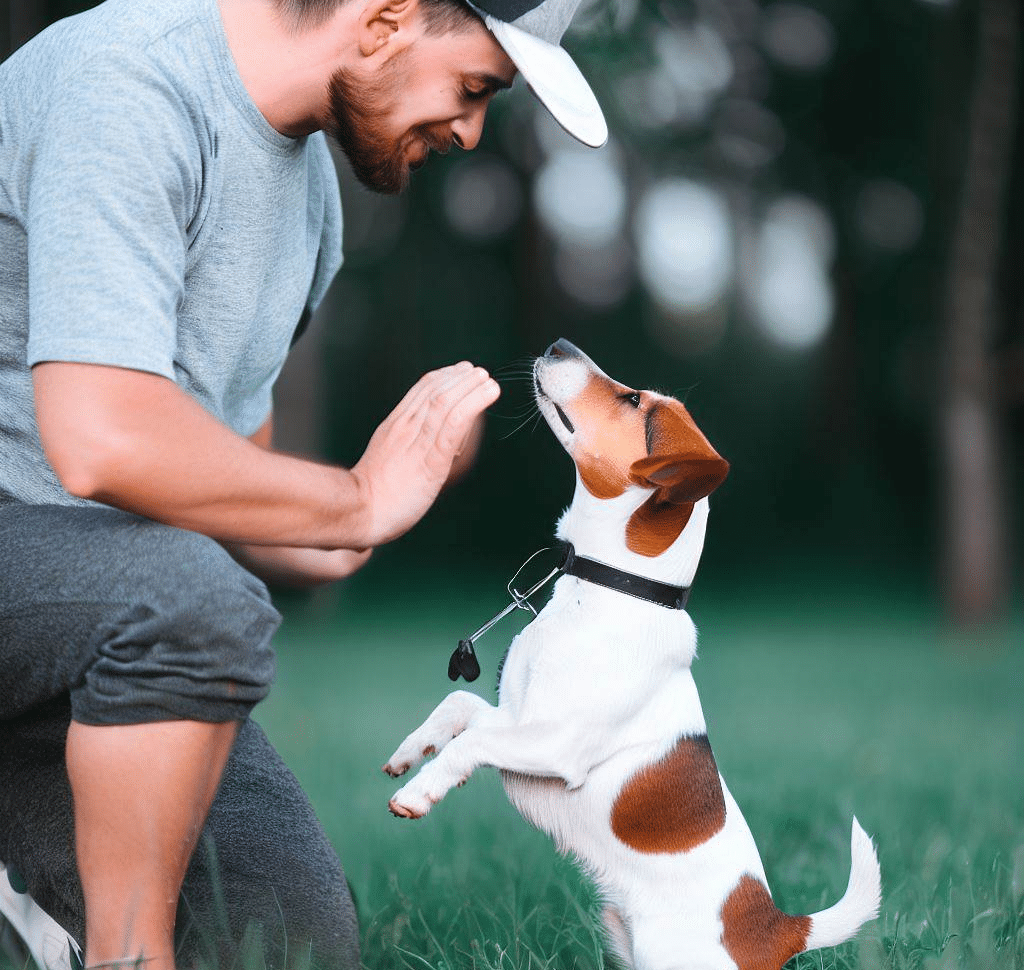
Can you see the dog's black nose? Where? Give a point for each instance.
(562, 348)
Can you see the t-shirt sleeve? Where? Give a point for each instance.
(329, 256)
(112, 191)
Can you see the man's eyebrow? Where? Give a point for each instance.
(492, 81)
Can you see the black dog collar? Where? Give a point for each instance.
(463, 660)
(601, 574)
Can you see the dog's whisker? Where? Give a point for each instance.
(524, 377)
(683, 393)
(516, 415)
(520, 427)
(513, 371)
(524, 361)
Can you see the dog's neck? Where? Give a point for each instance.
(597, 529)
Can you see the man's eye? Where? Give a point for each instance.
(633, 398)
(471, 94)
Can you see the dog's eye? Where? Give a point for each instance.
(633, 397)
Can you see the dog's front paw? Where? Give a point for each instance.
(423, 792)
(410, 753)
(406, 804)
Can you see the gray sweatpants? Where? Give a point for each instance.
(109, 618)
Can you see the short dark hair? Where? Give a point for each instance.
(448, 16)
(442, 16)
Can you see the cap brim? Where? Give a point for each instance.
(555, 79)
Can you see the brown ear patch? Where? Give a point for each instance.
(756, 934)
(673, 805)
(682, 467)
(654, 526)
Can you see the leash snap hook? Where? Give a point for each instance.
(521, 600)
(463, 662)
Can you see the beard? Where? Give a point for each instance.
(355, 120)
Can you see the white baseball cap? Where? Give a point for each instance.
(530, 32)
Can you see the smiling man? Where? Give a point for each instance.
(169, 218)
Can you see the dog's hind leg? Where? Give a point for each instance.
(450, 718)
(617, 936)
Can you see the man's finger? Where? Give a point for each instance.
(457, 421)
(452, 410)
(428, 384)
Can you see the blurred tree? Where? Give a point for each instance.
(976, 528)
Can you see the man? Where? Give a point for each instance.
(168, 215)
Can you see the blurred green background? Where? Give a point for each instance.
(808, 225)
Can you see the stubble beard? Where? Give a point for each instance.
(354, 121)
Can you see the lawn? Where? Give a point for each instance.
(815, 713)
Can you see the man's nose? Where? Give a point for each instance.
(467, 129)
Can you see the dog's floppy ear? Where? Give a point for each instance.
(682, 468)
(680, 479)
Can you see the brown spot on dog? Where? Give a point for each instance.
(681, 467)
(673, 805)
(601, 478)
(609, 436)
(757, 935)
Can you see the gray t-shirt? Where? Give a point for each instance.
(150, 218)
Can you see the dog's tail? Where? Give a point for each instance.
(860, 902)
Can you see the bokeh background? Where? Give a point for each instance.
(808, 225)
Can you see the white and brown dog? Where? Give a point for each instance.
(599, 733)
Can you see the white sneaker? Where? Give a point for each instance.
(50, 944)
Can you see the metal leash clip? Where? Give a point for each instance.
(463, 661)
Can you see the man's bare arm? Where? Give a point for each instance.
(138, 442)
(295, 566)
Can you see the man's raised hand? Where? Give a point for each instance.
(410, 456)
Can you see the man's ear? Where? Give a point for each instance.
(385, 26)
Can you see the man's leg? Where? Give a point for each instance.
(134, 840)
(141, 624)
(264, 886)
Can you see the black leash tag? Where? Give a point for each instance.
(464, 662)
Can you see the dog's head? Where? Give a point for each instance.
(621, 438)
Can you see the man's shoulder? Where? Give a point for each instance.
(122, 54)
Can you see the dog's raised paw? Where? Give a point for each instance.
(399, 810)
(396, 771)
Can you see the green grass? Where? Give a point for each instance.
(815, 713)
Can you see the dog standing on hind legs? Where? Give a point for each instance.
(599, 734)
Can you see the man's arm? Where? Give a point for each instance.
(295, 566)
(136, 441)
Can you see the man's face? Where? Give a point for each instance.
(430, 95)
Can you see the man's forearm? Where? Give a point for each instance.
(136, 441)
(300, 568)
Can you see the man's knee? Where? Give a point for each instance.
(265, 877)
(190, 638)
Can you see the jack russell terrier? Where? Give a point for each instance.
(598, 733)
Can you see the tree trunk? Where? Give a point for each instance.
(976, 532)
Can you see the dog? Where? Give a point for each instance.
(599, 734)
